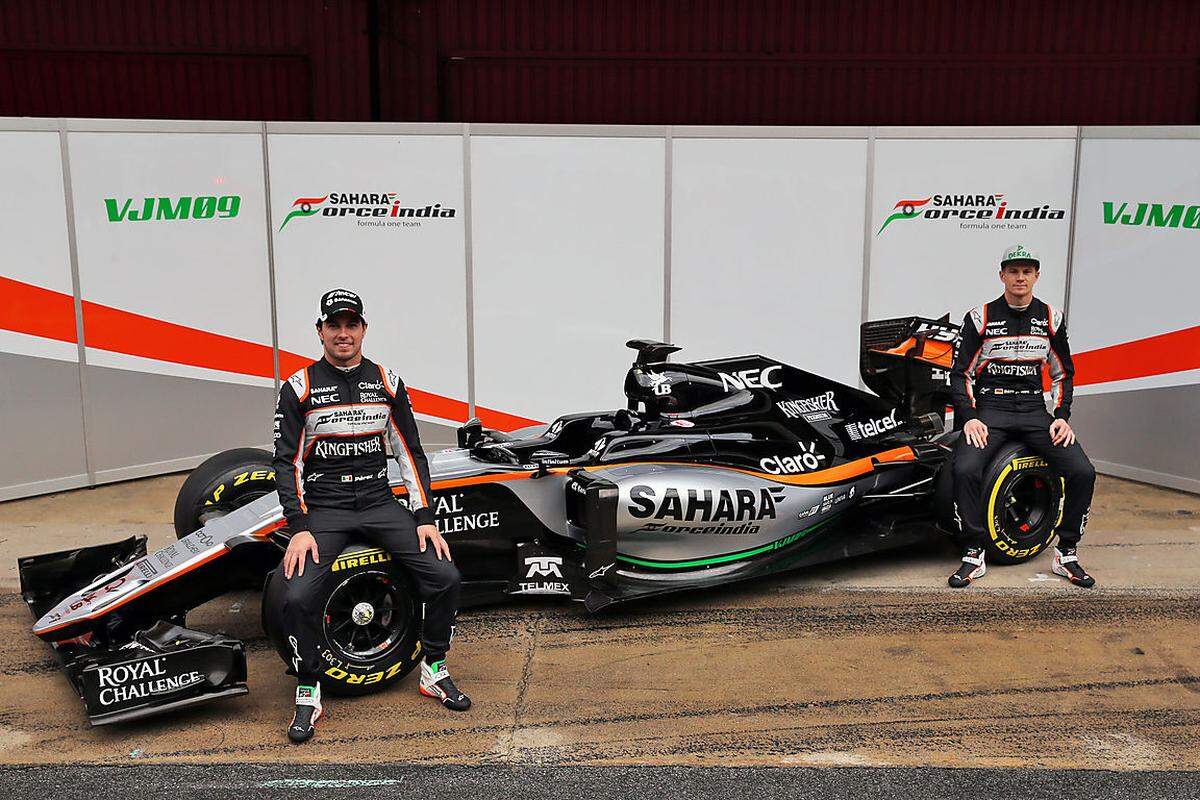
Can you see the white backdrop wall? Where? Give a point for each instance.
(504, 267)
(172, 274)
(767, 249)
(1135, 317)
(41, 411)
(409, 270)
(567, 244)
(945, 255)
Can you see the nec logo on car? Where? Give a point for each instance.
(761, 378)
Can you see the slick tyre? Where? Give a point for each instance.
(225, 482)
(1022, 504)
(370, 630)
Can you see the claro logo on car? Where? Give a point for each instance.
(368, 210)
(971, 212)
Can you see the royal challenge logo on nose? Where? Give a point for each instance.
(368, 210)
(983, 212)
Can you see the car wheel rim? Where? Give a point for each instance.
(1027, 507)
(366, 616)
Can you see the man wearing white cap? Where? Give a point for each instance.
(997, 387)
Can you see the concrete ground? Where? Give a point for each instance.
(870, 663)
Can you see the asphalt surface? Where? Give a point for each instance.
(865, 678)
(586, 783)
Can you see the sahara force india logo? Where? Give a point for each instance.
(369, 209)
(973, 211)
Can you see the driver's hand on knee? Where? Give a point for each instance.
(428, 534)
(298, 548)
(976, 433)
(1061, 433)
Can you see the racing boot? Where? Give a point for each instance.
(308, 711)
(1066, 563)
(972, 567)
(436, 683)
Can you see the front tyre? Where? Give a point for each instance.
(370, 632)
(223, 483)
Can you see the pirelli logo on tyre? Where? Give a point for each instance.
(1027, 462)
(362, 558)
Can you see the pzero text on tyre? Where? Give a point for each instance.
(370, 631)
(224, 482)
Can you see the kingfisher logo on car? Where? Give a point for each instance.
(369, 209)
(972, 211)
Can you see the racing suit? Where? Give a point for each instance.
(997, 379)
(331, 472)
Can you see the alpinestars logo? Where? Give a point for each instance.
(369, 209)
(973, 211)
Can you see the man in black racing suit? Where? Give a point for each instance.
(996, 382)
(331, 425)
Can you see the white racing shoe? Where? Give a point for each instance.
(972, 568)
(1066, 563)
(436, 683)
(308, 711)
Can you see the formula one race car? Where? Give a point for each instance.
(717, 471)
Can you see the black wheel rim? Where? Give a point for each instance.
(367, 616)
(1027, 507)
(214, 510)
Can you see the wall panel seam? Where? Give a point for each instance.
(77, 295)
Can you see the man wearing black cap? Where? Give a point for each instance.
(996, 382)
(331, 425)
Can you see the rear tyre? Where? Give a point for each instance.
(225, 482)
(1022, 504)
(370, 632)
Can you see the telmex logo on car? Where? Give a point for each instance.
(543, 567)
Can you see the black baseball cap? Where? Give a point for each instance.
(335, 301)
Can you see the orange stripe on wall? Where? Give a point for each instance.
(35, 311)
(1155, 355)
(107, 328)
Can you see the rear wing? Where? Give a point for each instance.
(907, 361)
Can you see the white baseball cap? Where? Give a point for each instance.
(1020, 253)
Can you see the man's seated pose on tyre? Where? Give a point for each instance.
(997, 386)
(331, 426)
